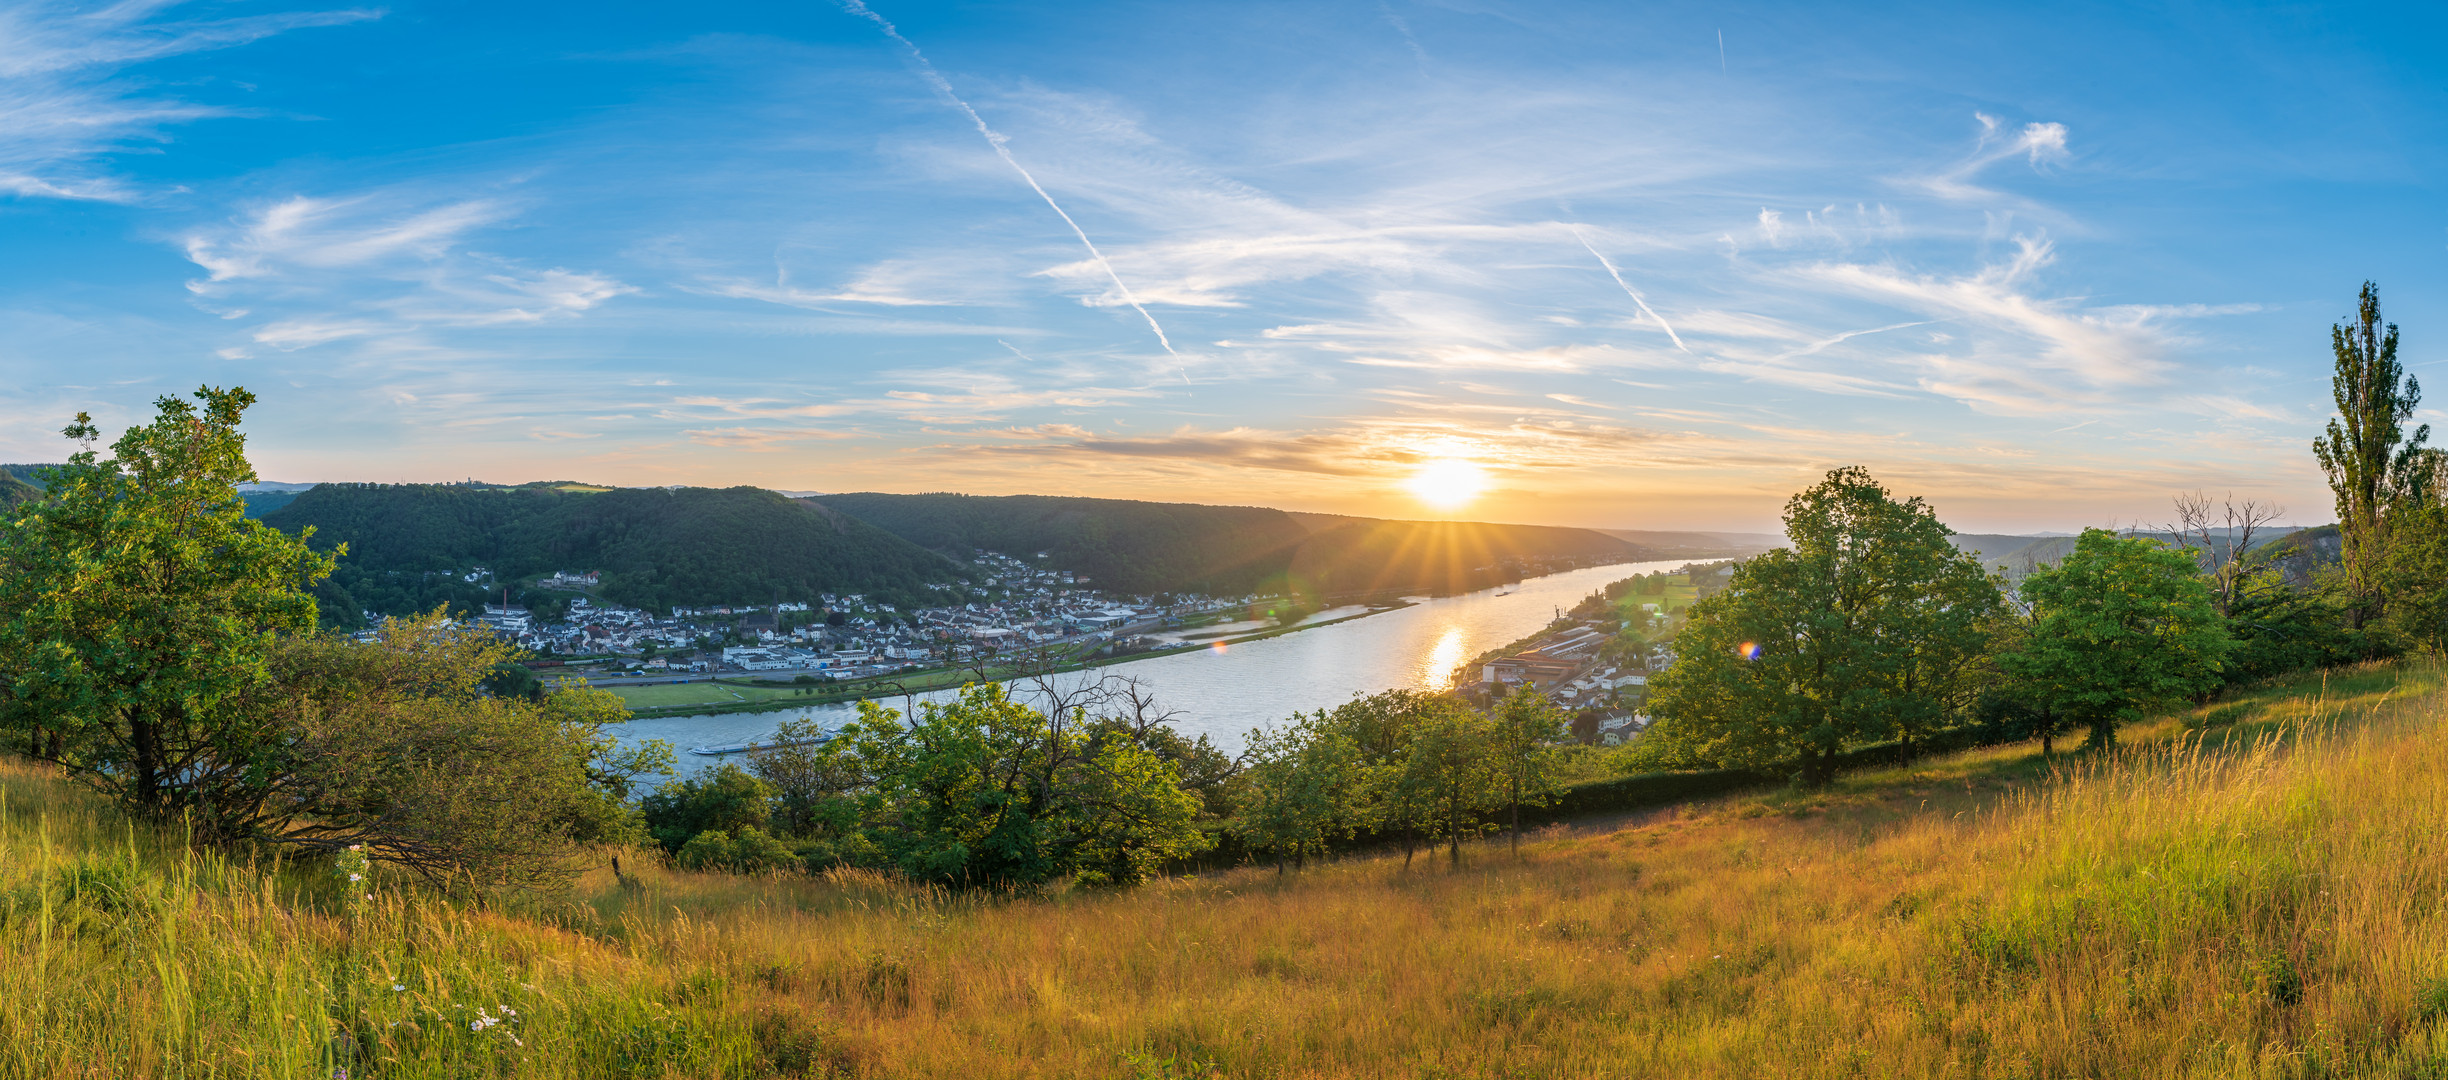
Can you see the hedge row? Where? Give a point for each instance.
(1667, 788)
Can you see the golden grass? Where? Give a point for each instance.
(2266, 896)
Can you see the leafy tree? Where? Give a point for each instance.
(2416, 577)
(1124, 815)
(727, 798)
(815, 782)
(2374, 468)
(1523, 728)
(2122, 626)
(393, 748)
(1309, 785)
(1870, 626)
(985, 792)
(139, 607)
(510, 679)
(1449, 780)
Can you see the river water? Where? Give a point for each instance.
(1224, 691)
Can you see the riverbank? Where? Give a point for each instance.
(749, 696)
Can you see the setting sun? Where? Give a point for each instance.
(1448, 483)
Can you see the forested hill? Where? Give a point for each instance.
(1148, 547)
(654, 547)
(17, 484)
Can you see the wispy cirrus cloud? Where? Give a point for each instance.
(379, 264)
(2040, 143)
(66, 103)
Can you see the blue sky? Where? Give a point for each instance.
(1642, 266)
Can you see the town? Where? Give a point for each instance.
(842, 637)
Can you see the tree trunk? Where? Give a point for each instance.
(1815, 768)
(146, 735)
(2103, 734)
(1517, 823)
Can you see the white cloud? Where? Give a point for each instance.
(380, 264)
(2039, 143)
(64, 105)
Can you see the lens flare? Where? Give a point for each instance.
(1748, 650)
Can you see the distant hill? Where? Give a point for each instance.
(17, 485)
(1149, 547)
(1698, 545)
(2020, 555)
(409, 545)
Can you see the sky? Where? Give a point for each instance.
(1613, 264)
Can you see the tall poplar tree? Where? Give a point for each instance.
(2373, 467)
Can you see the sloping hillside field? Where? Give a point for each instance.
(2263, 897)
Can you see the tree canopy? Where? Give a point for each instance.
(139, 608)
(2122, 626)
(1869, 627)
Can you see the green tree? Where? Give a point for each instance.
(1449, 780)
(393, 748)
(2374, 468)
(985, 792)
(1523, 727)
(2416, 576)
(2124, 625)
(139, 607)
(1872, 625)
(726, 798)
(814, 779)
(1309, 785)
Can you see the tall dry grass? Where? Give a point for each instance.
(2260, 889)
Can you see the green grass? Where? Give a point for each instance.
(669, 694)
(2258, 888)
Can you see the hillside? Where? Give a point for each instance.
(1146, 547)
(1698, 545)
(2238, 900)
(17, 486)
(2020, 555)
(655, 547)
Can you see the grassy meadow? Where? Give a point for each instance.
(2254, 889)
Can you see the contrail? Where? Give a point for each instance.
(926, 69)
(1628, 289)
(1721, 64)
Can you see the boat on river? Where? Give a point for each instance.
(748, 747)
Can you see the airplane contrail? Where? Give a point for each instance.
(1629, 290)
(996, 139)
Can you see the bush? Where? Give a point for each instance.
(727, 799)
(751, 852)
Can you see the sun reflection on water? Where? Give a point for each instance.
(1437, 670)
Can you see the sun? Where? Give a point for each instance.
(1448, 483)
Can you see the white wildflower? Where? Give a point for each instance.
(474, 1026)
(396, 988)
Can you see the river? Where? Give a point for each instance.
(1224, 691)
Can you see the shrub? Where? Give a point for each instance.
(751, 852)
(727, 799)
